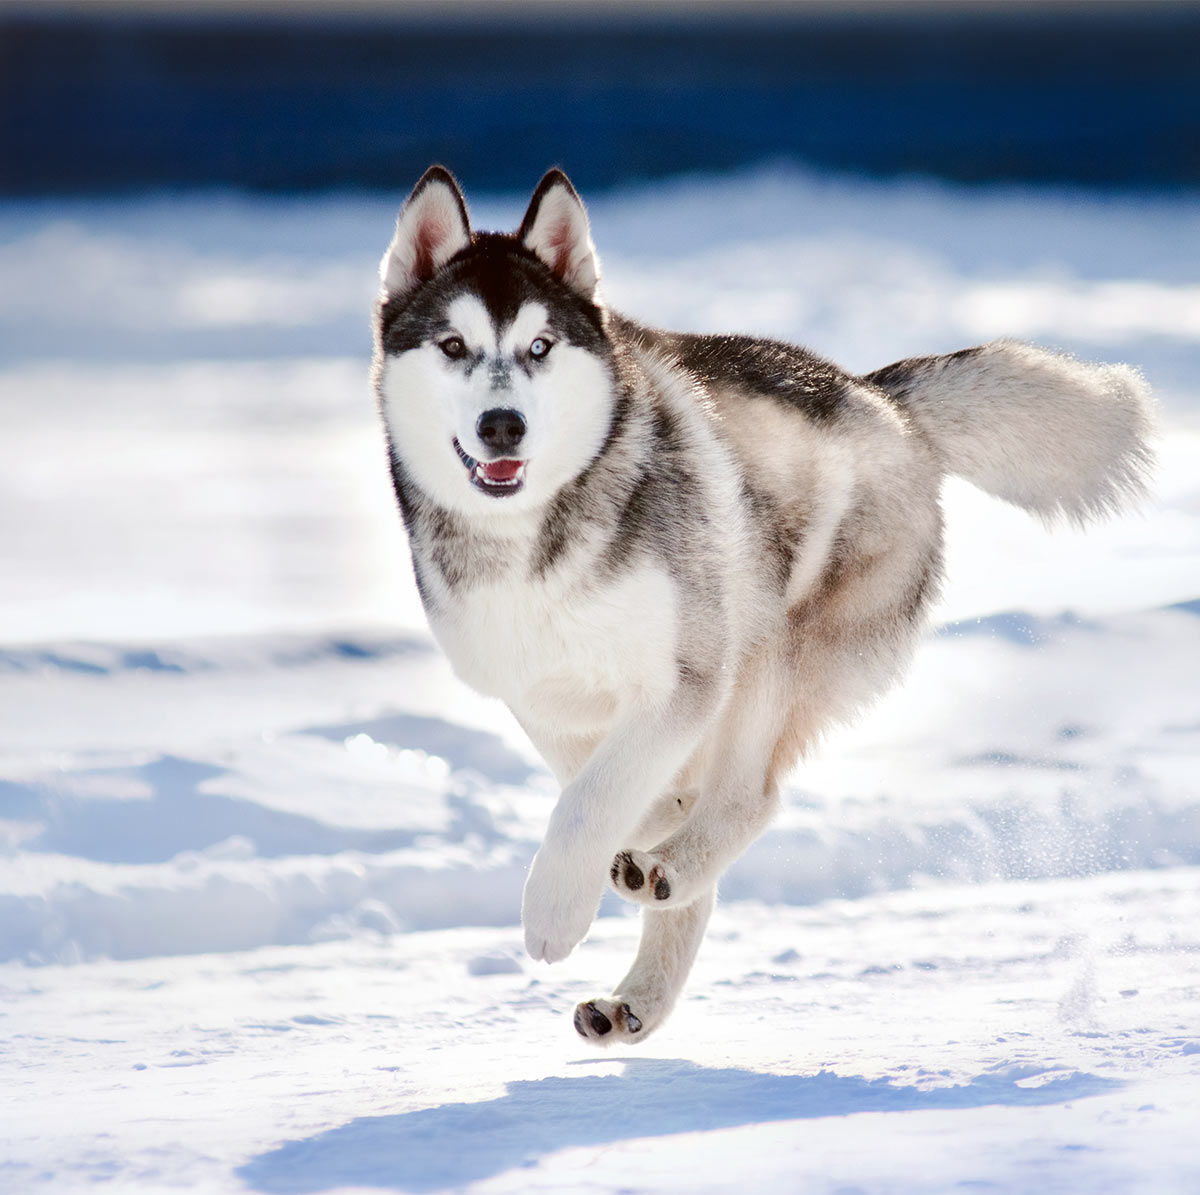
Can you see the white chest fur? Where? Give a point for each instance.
(572, 657)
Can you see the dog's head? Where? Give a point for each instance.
(492, 362)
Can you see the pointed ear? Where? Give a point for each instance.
(556, 229)
(433, 226)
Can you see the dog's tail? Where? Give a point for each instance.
(1049, 433)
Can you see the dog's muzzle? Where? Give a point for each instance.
(495, 478)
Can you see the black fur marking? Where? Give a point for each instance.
(633, 520)
(447, 541)
(555, 533)
(571, 506)
(504, 275)
(768, 368)
(456, 552)
(404, 325)
(616, 428)
(896, 380)
(404, 489)
(664, 484)
(461, 554)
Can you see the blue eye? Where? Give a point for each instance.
(540, 347)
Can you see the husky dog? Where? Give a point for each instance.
(679, 558)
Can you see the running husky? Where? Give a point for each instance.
(679, 558)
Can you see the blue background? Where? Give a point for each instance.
(1102, 95)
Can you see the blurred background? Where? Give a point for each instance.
(283, 95)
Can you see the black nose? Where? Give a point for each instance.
(501, 429)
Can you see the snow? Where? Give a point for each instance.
(261, 854)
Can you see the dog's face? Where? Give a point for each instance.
(493, 367)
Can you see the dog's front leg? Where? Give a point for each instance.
(632, 765)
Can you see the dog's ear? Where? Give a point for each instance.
(556, 229)
(433, 226)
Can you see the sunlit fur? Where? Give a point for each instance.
(724, 546)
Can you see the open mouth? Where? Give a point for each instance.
(498, 478)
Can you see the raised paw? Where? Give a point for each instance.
(558, 905)
(640, 877)
(607, 1021)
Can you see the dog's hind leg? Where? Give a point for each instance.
(664, 817)
(737, 800)
(645, 997)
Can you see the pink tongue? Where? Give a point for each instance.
(502, 470)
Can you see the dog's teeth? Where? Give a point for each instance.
(497, 482)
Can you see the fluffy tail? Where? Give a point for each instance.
(1049, 433)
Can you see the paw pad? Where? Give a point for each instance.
(591, 1022)
(628, 876)
(589, 1014)
(625, 871)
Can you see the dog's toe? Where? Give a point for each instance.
(606, 1021)
(626, 873)
(590, 1021)
(640, 877)
(662, 886)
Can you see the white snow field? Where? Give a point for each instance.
(261, 854)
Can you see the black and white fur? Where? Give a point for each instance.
(679, 558)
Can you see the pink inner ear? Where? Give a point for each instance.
(560, 245)
(430, 234)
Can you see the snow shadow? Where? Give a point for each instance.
(177, 816)
(455, 1144)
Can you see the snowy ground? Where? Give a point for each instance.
(261, 855)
